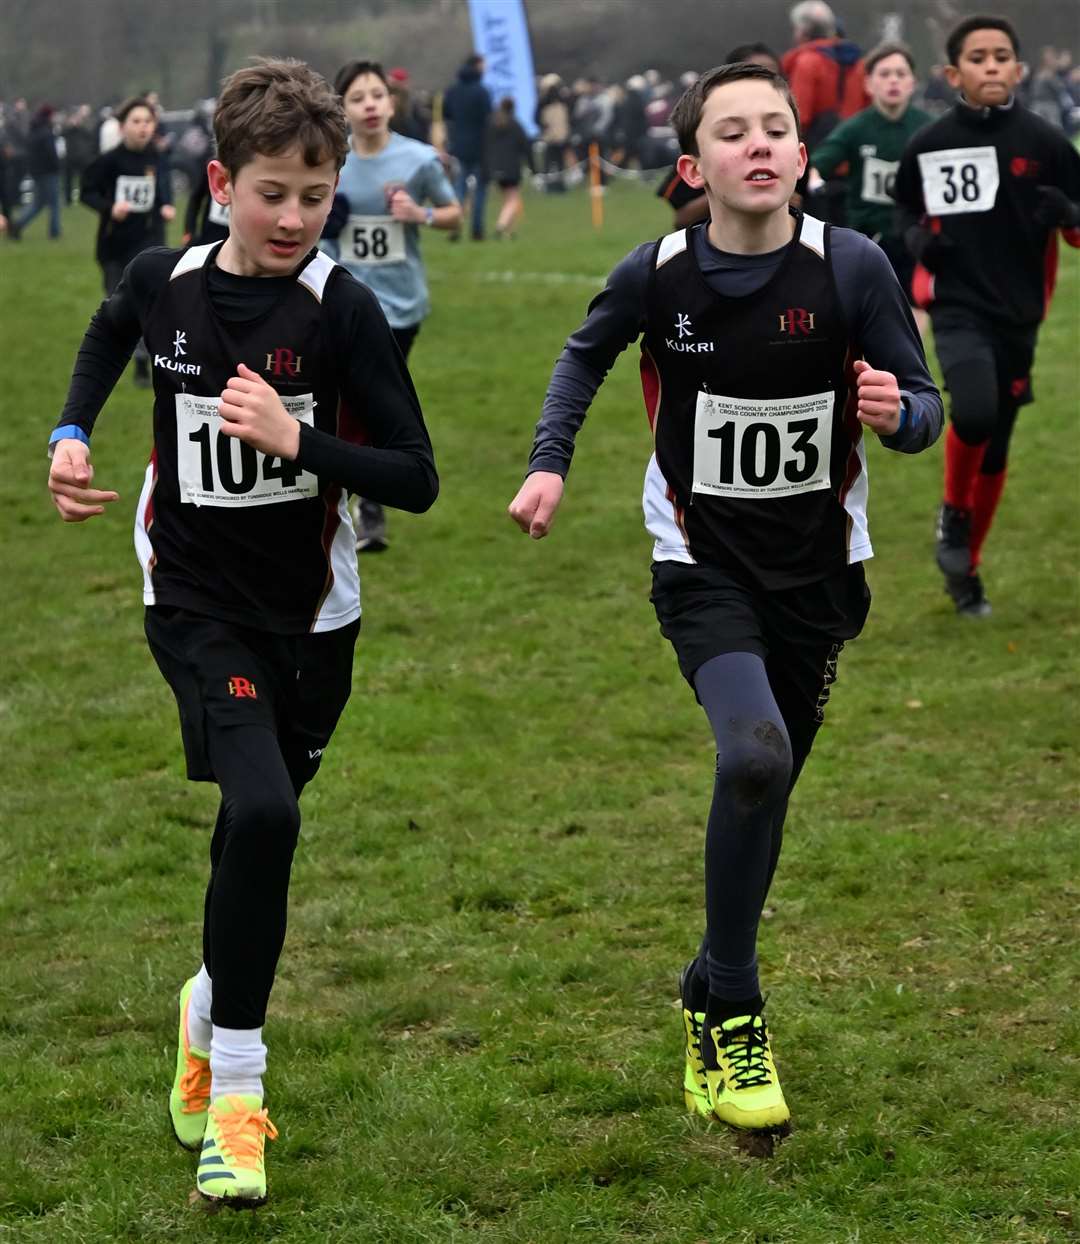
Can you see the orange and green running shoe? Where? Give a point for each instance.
(695, 1085)
(232, 1167)
(190, 1096)
(744, 1089)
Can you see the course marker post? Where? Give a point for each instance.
(596, 188)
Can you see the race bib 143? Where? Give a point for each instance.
(136, 192)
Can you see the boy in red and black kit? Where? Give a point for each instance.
(277, 391)
(983, 192)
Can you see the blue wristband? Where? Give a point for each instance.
(69, 432)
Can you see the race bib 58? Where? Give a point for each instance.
(762, 449)
(373, 240)
(222, 471)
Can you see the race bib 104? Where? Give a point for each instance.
(136, 192)
(762, 449)
(373, 240)
(878, 179)
(222, 471)
(962, 179)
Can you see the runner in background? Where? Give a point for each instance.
(391, 188)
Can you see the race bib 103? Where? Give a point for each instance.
(373, 240)
(962, 179)
(762, 449)
(220, 470)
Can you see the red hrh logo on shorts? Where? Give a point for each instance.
(797, 320)
(283, 362)
(1019, 387)
(1021, 166)
(241, 687)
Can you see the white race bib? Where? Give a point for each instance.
(218, 213)
(223, 471)
(878, 179)
(373, 240)
(136, 192)
(762, 449)
(962, 179)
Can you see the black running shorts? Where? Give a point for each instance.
(963, 339)
(704, 613)
(296, 685)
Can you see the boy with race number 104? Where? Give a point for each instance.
(277, 390)
(756, 325)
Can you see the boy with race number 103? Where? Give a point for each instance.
(757, 326)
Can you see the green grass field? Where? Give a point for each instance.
(474, 1036)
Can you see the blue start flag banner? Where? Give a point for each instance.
(501, 36)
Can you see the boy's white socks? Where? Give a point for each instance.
(198, 1016)
(237, 1061)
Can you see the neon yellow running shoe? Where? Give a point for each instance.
(190, 1096)
(695, 1085)
(232, 1168)
(744, 1089)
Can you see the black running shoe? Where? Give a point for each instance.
(953, 537)
(968, 595)
(369, 519)
(695, 1086)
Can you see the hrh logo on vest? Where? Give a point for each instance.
(796, 324)
(242, 688)
(283, 362)
(174, 364)
(684, 329)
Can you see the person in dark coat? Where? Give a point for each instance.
(43, 165)
(80, 147)
(506, 149)
(466, 108)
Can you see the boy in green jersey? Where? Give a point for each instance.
(871, 143)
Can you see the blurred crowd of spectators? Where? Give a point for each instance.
(44, 149)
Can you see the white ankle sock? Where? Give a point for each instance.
(198, 1016)
(237, 1061)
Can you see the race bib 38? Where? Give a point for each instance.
(962, 179)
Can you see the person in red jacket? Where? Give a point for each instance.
(825, 72)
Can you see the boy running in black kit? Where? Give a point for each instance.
(277, 390)
(983, 192)
(130, 189)
(756, 327)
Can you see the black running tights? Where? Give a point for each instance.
(760, 751)
(251, 855)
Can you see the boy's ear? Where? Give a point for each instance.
(220, 182)
(952, 76)
(687, 167)
(804, 159)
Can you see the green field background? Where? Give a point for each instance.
(474, 1033)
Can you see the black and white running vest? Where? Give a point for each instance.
(759, 464)
(222, 529)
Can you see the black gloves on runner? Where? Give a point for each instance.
(930, 249)
(1055, 209)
